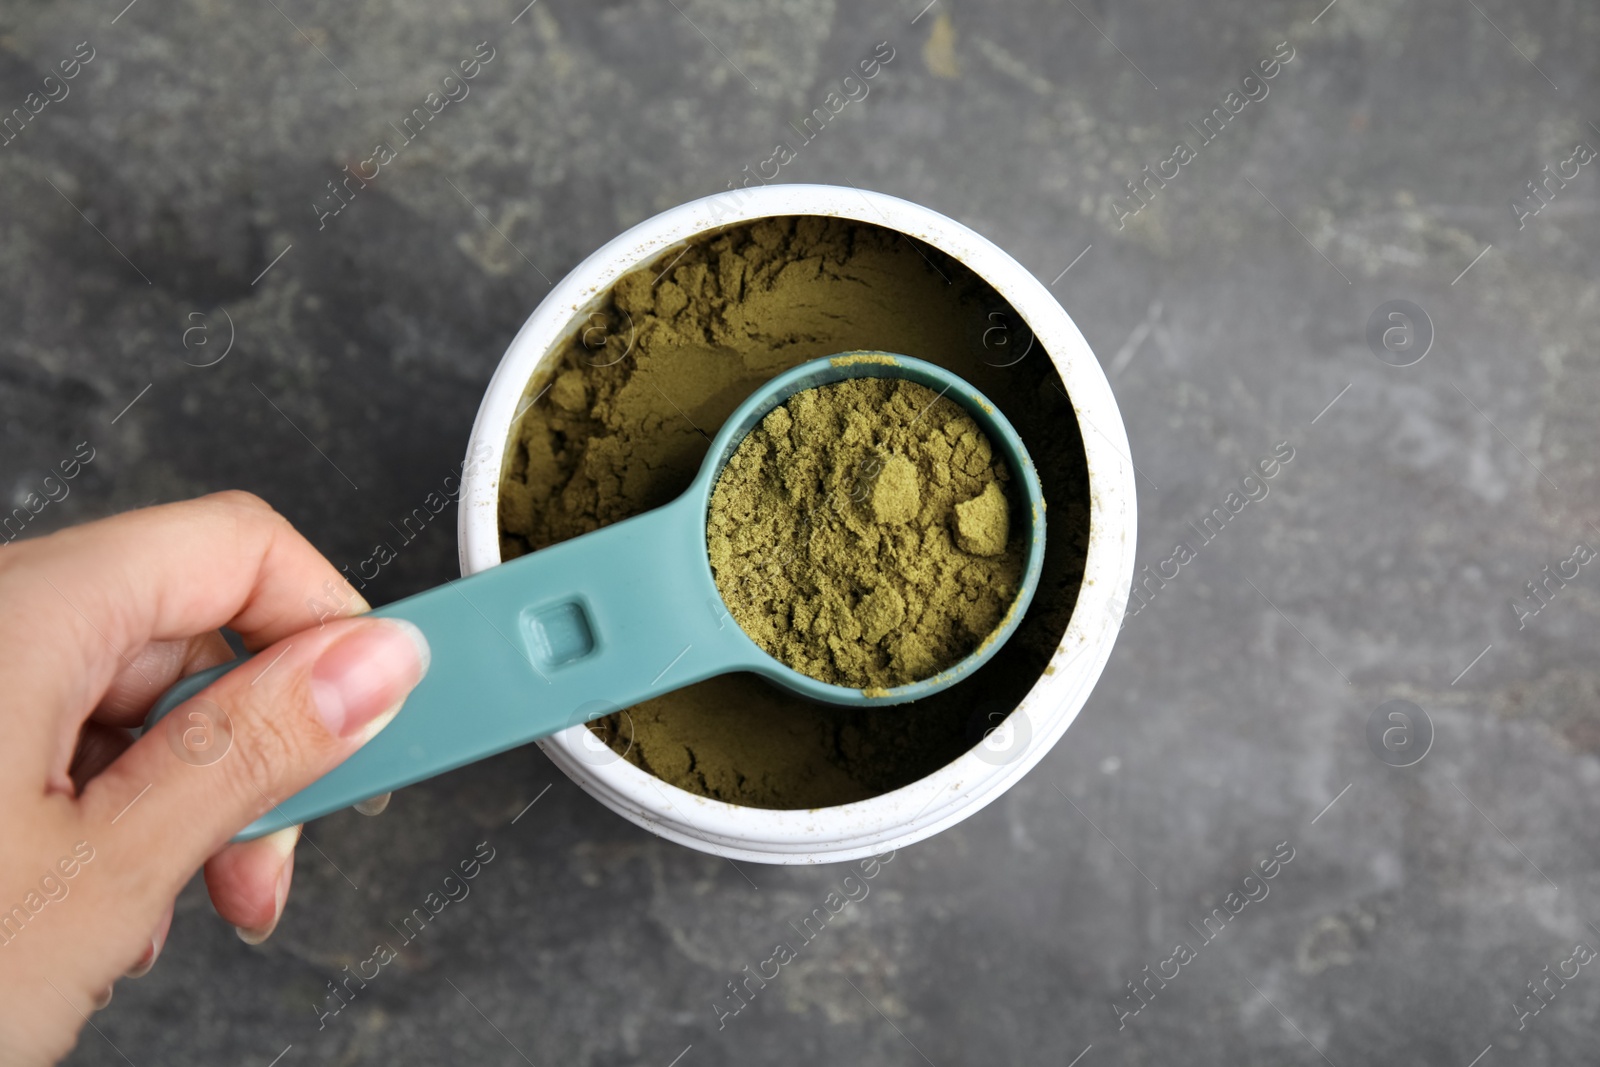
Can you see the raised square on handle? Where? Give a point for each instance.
(558, 634)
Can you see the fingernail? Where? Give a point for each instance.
(254, 935)
(283, 842)
(158, 938)
(374, 805)
(360, 677)
(102, 1000)
(147, 961)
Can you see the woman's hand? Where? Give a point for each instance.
(101, 831)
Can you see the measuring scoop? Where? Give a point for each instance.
(612, 618)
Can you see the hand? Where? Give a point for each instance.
(101, 831)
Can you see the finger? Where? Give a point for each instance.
(99, 593)
(249, 883)
(126, 703)
(283, 720)
(90, 749)
(153, 670)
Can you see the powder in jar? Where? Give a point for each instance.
(619, 421)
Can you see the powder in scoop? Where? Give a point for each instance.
(858, 534)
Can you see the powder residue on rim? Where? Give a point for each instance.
(860, 534)
(855, 358)
(632, 400)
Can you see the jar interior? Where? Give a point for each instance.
(618, 418)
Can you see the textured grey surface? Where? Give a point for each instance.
(1385, 558)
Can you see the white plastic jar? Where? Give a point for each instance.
(955, 791)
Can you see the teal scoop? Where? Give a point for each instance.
(612, 618)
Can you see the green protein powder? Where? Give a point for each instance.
(860, 534)
(619, 422)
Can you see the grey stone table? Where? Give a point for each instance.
(176, 185)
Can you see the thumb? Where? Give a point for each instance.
(258, 734)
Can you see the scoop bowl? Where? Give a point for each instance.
(1028, 512)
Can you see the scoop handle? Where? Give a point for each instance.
(533, 646)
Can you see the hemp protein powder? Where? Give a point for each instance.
(860, 533)
(626, 415)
